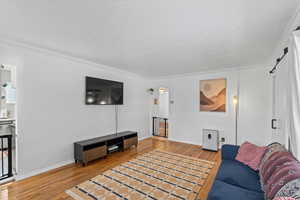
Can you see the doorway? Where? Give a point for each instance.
(161, 115)
(7, 121)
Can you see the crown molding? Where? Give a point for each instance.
(5, 41)
(209, 72)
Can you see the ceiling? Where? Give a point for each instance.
(152, 37)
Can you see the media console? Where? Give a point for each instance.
(91, 149)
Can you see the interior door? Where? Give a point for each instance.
(279, 110)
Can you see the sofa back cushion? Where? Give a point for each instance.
(229, 151)
(250, 154)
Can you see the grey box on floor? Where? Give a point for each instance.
(210, 139)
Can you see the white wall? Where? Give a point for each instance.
(186, 122)
(52, 115)
(255, 107)
(51, 112)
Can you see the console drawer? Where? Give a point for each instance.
(94, 153)
(130, 142)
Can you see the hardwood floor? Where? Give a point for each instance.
(52, 184)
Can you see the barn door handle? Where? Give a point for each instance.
(273, 123)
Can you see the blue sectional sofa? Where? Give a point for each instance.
(234, 180)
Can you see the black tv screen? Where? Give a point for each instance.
(103, 92)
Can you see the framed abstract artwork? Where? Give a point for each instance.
(213, 95)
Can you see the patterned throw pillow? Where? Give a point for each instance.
(275, 161)
(291, 189)
(272, 148)
(286, 173)
(284, 198)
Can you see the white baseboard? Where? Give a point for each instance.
(183, 141)
(40, 171)
(7, 180)
(145, 137)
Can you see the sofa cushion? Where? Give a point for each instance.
(221, 191)
(236, 173)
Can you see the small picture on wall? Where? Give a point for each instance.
(213, 95)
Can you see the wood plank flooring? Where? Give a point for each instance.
(52, 184)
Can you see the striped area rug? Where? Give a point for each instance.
(153, 175)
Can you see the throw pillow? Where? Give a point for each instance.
(250, 154)
(275, 161)
(291, 189)
(287, 172)
(272, 148)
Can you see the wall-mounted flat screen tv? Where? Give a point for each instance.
(103, 92)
